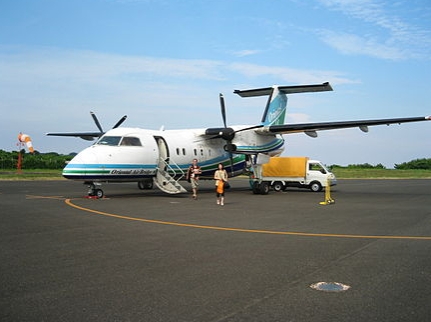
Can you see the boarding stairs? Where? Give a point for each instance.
(167, 178)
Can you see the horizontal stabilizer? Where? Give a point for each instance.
(285, 90)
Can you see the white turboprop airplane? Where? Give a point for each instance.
(163, 157)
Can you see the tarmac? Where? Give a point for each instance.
(142, 255)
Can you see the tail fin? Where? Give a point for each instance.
(275, 110)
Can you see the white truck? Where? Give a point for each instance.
(279, 173)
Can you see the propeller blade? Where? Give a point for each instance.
(120, 122)
(97, 122)
(223, 109)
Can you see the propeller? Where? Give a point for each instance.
(227, 133)
(93, 115)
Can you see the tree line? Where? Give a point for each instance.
(36, 160)
(53, 160)
(417, 164)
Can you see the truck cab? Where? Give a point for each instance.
(317, 177)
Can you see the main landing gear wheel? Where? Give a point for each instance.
(145, 184)
(260, 188)
(255, 188)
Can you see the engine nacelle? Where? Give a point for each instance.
(226, 133)
(230, 147)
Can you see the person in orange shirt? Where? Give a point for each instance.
(221, 177)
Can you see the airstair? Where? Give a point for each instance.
(167, 178)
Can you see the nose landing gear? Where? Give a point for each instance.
(94, 190)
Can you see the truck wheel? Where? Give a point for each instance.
(277, 186)
(264, 188)
(315, 186)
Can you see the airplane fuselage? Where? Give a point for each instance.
(133, 154)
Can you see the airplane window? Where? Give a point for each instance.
(184, 151)
(131, 141)
(109, 140)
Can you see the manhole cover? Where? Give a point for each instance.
(330, 287)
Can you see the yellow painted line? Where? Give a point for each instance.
(256, 231)
(44, 197)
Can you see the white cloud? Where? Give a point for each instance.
(246, 52)
(395, 39)
(93, 67)
(291, 75)
(357, 45)
(55, 63)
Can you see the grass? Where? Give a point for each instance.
(344, 173)
(340, 173)
(31, 174)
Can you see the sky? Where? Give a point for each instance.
(164, 63)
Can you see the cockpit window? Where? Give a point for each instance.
(130, 141)
(317, 167)
(109, 140)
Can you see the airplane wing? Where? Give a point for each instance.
(312, 128)
(89, 136)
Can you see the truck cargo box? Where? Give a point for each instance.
(285, 167)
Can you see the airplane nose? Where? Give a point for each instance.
(85, 157)
(80, 165)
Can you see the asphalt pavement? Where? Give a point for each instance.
(142, 255)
